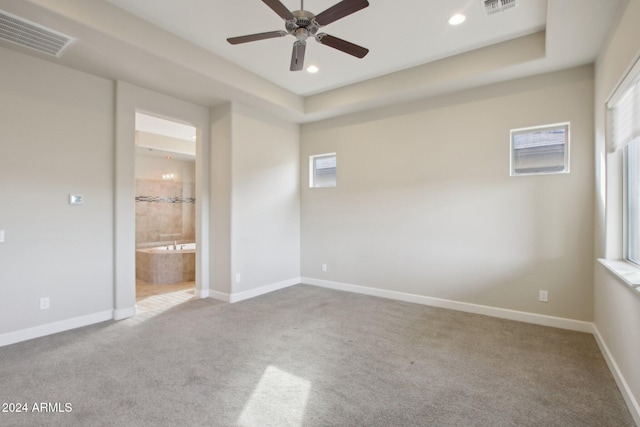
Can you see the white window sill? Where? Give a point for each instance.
(627, 272)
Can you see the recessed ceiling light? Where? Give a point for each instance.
(457, 19)
(312, 69)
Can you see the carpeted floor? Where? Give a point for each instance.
(308, 356)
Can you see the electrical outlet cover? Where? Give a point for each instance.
(76, 199)
(543, 296)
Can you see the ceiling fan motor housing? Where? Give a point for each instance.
(302, 19)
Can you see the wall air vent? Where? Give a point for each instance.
(34, 36)
(495, 6)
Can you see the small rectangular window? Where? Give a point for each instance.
(322, 170)
(540, 150)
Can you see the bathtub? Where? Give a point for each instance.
(184, 247)
(164, 265)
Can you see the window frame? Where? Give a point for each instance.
(626, 205)
(312, 169)
(615, 155)
(533, 129)
(626, 139)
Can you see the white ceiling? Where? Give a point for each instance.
(399, 34)
(179, 48)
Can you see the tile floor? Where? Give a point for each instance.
(152, 297)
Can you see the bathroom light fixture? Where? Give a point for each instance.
(457, 19)
(312, 69)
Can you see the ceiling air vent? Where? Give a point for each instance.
(34, 36)
(495, 6)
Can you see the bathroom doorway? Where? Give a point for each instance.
(165, 212)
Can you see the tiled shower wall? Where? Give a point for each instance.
(165, 211)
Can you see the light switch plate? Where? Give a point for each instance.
(1, 236)
(76, 199)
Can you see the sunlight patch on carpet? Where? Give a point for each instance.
(279, 399)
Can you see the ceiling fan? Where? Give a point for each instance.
(303, 24)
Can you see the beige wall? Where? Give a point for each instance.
(220, 202)
(425, 204)
(56, 138)
(255, 202)
(265, 200)
(617, 307)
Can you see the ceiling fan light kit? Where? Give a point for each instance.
(303, 24)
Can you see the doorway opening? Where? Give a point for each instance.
(165, 201)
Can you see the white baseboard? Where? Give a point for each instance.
(54, 328)
(251, 293)
(502, 313)
(220, 296)
(124, 313)
(625, 390)
(202, 293)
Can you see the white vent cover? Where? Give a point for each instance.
(34, 36)
(494, 6)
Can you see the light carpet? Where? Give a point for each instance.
(308, 356)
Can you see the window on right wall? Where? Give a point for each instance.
(623, 122)
(632, 212)
(540, 150)
(322, 170)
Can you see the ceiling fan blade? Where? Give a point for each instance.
(342, 45)
(340, 10)
(279, 8)
(297, 56)
(256, 37)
